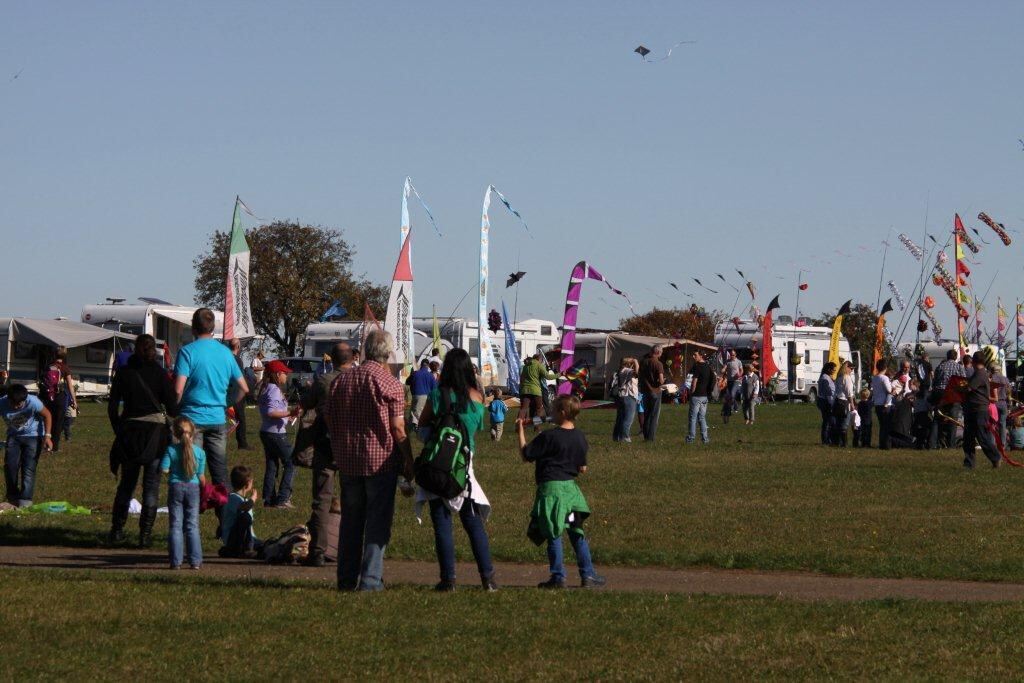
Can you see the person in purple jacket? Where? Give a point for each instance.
(275, 412)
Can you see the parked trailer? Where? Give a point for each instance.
(320, 337)
(167, 322)
(808, 344)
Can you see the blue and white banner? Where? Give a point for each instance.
(511, 353)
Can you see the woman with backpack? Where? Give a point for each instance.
(57, 390)
(457, 402)
(141, 399)
(625, 390)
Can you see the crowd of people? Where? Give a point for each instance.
(173, 426)
(918, 406)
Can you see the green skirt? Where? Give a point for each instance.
(554, 502)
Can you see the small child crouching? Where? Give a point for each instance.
(862, 434)
(560, 455)
(497, 412)
(237, 516)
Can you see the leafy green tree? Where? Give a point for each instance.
(296, 272)
(676, 323)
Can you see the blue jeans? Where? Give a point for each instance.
(652, 409)
(624, 416)
(828, 421)
(20, 469)
(278, 453)
(367, 511)
(698, 413)
(183, 517)
(213, 439)
(579, 546)
(731, 397)
(444, 542)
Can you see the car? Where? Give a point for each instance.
(305, 369)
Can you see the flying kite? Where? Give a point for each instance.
(978, 233)
(643, 51)
(704, 286)
(1021, 144)
(674, 286)
(514, 278)
(915, 251)
(996, 227)
(722, 278)
(15, 76)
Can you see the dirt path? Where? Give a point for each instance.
(791, 585)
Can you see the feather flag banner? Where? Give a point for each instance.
(915, 251)
(768, 367)
(833, 344)
(580, 272)
(487, 364)
(999, 228)
(1020, 319)
(965, 239)
(896, 293)
(1000, 321)
(880, 333)
(238, 322)
(515, 363)
(436, 335)
(398, 319)
(408, 191)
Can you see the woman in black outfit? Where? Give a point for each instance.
(141, 435)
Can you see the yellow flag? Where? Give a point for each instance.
(959, 252)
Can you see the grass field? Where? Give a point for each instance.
(115, 627)
(763, 497)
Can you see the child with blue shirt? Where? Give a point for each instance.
(497, 411)
(237, 516)
(186, 465)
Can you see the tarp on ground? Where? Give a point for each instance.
(60, 332)
(677, 355)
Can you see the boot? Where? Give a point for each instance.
(146, 520)
(116, 534)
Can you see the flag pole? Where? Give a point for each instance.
(921, 283)
(789, 361)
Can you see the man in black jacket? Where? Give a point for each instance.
(976, 417)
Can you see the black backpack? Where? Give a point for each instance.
(442, 467)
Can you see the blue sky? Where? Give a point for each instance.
(787, 132)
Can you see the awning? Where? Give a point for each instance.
(184, 316)
(60, 332)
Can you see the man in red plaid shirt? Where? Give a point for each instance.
(365, 414)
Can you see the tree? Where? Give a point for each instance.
(859, 326)
(297, 271)
(675, 323)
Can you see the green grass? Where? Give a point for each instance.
(763, 497)
(120, 627)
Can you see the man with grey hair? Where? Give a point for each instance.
(652, 378)
(365, 416)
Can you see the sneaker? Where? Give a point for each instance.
(175, 567)
(115, 536)
(594, 581)
(553, 582)
(195, 567)
(489, 584)
(445, 586)
(286, 505)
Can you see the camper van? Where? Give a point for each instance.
(167, 322)
(805, 342)
(320, 337)
(458, 333)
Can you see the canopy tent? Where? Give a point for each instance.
(59, 332)
(677, 355)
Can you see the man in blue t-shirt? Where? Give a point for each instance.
(27, 419)
(208, 380)
(421, 383)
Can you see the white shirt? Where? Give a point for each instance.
(881, 391)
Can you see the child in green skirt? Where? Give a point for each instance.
(559, 456)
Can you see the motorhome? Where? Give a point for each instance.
(936, 352)
(320, 337)
(807, 344)
(167, 322)
(459, 333)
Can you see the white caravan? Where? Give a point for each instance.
(320, 337)
(807, 343)
(167, 322)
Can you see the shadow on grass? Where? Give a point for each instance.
(50, 535)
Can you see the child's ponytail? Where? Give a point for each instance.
(183, 430)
